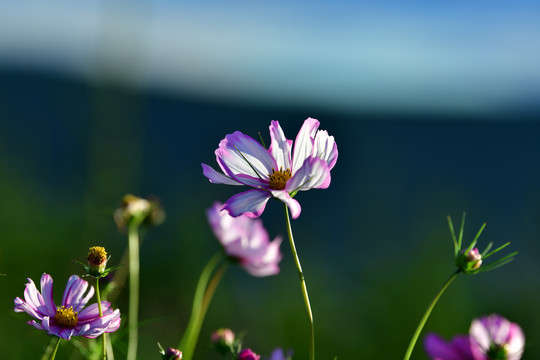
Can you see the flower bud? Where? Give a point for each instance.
(470, 261)
(247, 354)
(225, 336)
(224, 341)
(172, 354)
(97, 260)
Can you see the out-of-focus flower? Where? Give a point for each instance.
(225, 342)
(490, 338)
(246, 240)
(71, 318)
(279, 172)
(496, 338)
(470, 260)
(247, 354)
(225, 336)
(457, 349)
(144, 211)
(278, 354)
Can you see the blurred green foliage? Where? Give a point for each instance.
(375, 246)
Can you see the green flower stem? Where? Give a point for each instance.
(203, 294)
(133, 235)
(98, 295)
(56, 348)
(426, 316)
(302, 285)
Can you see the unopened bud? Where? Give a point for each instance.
(470, 261)
(224, 341)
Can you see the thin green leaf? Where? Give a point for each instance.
(496, 250)
(460, 240)
(454, 239)
(488, 247)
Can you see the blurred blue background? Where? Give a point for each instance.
(434, 108)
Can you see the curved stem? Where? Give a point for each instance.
(200, 304)
(55, 348)
(302, 285)
(133, 236)
(426, 316)
(98, 295)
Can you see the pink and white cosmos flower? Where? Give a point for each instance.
(71, 318)
(246, 240)
(279, 172)
(497, 338)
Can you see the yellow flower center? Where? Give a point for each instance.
(278, 179)
(66, 317)
(97, 255)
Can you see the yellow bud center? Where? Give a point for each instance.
(66, 317)
(97, 255)
(278, 179)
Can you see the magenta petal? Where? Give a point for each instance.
(293, 205)
(34, 299)
(47, 293)
(22, 306)
(280, 147)
(437, 348)
(250, 203)
(240, 154)
(314, 174)
(217, 178)
(325, 148)
(91, 312)
(303, 145)
(36, 325)
(74, 292)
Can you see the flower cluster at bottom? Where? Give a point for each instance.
(490, 338)
(71, 318)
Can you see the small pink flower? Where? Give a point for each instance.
(247, 354)
(71, 318)
(246, 240)
(279, 172)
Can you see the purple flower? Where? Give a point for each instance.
(279, 172)
(457, 349)
(246, 240)
(497, 338)
(70, 318)
(247, 354)
(278, 354)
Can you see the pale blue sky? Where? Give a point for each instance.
(444, 56)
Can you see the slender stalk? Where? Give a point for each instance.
(133, 236)
(302, 285)
(426, 316)
(200, 304)
(104, 343)
(56, 348)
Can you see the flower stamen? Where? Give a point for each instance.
(278, 179)
(97, 255)
(66, 317)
